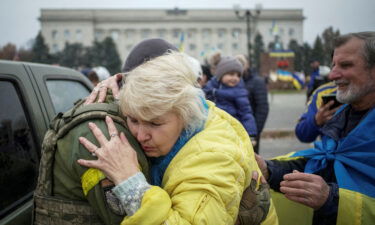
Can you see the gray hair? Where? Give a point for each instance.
(164, 84)
(368, 51)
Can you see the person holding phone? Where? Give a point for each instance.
(336, 177)
(317, 114)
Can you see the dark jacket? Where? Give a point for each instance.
(258, 97)
(233, 100)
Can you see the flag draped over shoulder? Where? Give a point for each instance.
(354, 167)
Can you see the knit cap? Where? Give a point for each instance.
(228, 64)
(146, 50)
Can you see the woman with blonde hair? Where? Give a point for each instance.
(201, 158)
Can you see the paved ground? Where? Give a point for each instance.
(285, 109)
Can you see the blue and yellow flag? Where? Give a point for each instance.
(354, 166)
(275, 28)
(181, 46)
(287, 76)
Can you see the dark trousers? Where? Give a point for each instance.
(256, 147)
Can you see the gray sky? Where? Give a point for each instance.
(19, 18)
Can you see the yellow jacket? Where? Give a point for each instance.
(204, 182)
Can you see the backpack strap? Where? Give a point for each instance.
(110, 108)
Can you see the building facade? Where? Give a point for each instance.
(198, 32)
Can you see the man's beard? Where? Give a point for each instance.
(354, 92)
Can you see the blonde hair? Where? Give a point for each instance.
(164, 84)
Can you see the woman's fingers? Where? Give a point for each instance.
(102, 93)
(109, 83)
(112, 130)
(116, 158)
(91, 98)
(125, 141)
(98, 134)
(88, 145)
(88, 163)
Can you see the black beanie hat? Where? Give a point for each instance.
(226, 65)
(146, 50)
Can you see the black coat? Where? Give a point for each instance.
(258, 97)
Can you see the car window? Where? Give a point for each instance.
(18, 155)
(65, 92)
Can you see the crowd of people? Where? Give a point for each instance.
(186, 151)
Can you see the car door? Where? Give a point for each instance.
(21, 127)
(30, 96)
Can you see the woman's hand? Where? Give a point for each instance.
(100, 91)
(116, 158)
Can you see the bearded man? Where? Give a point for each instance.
(337, 176)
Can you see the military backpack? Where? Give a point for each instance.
(49, 209)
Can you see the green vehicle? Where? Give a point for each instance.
(30, 96)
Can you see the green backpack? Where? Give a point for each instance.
(49, 209)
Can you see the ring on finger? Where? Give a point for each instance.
(114, 134)
(93, 152)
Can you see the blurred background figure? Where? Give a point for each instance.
(313, 75)
(322, 78)
(93, 77)
(85, 70)
(258, 96)
(102, 72)
(206, 75)
(197, 69)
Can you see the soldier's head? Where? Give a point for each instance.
(146, 50)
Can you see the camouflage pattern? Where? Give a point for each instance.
(56, 211)
(254, 204)
(58, 198)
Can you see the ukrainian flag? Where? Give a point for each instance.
(181, 46)
(287, 76)
(354, 166)
(275, 28)
(353, 159)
